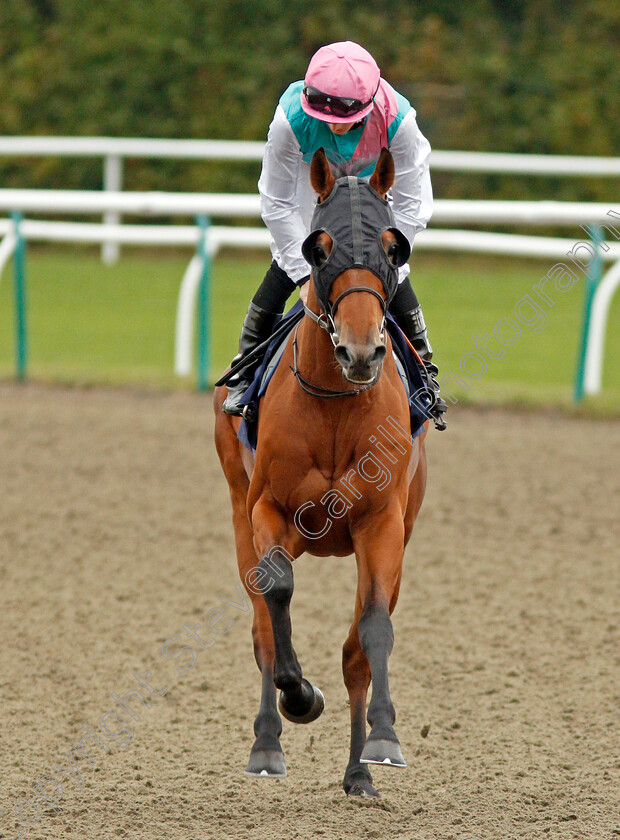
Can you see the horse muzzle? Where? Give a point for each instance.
(360, 365)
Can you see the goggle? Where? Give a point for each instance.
(335, 105)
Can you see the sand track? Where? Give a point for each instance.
(114, 534)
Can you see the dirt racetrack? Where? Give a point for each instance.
(114, 534)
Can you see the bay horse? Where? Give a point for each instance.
(316, 485)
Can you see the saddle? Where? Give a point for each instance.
(410, 369)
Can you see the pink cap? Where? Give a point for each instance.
(343, 69)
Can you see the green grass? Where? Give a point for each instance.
(466, 296)
(90, 323)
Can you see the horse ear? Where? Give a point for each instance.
(383, 177)
(321, 176)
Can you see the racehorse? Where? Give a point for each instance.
(316, 485)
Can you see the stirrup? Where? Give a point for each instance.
(437, 413)
(439, 406)
(250, 412)
(232, 404)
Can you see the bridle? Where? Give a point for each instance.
(326, 321)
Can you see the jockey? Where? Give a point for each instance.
(344, 106)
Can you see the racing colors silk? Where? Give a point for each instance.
(287, 198)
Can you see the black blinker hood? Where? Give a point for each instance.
(354, 215)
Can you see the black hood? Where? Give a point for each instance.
(355, 216)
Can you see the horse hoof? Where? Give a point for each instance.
(363, 788)
(266, 764)
(315, 710)
(382, 751)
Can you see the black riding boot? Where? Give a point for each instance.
(258, 325)
(411, 322)
(263, 314)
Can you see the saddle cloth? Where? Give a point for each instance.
(414, 383)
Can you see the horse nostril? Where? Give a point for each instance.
(378, 355)
(343, 355)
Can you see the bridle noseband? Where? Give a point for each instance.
(326, 321)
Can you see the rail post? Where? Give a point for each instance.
(112, 181)
(204, 294)
(19, 286)
(592, 279)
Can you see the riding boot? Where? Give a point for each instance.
(263, 314)
(407, 313)
(412, 324)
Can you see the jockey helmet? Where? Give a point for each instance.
(340, 83)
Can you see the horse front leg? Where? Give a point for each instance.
(379, 552)
(300, 701)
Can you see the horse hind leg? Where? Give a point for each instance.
(356, 672)
(266, 757)
(377, 638)
(379, 570)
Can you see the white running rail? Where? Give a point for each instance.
(218, 236)
(114, 150)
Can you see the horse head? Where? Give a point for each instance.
(355, 247)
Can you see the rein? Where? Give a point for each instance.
(326, 321)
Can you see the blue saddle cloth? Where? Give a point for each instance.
(414, 382)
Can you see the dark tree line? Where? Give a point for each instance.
(502, 75)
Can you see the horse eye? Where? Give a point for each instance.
(318, 255)
(392, 253)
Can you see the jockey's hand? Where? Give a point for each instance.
(303, 291)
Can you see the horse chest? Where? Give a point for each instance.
(325, 500)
